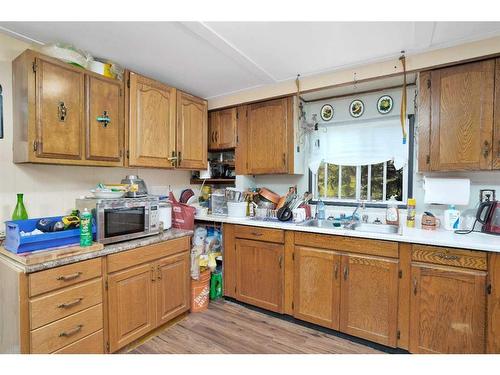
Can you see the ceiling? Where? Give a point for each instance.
(212, 59)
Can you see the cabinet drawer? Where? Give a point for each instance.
(57, 305)
(126, 259)
(349, 244)
(56, 278)
(260, 234)
(66, 331)
(453, 257)
(92, 344)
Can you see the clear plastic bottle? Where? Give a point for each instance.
(320, 210)
(411, 212)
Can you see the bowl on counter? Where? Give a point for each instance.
(105, 194)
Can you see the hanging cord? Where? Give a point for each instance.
(402, 58)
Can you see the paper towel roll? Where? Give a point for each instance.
(446, 190)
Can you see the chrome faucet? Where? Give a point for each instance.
(351, 223)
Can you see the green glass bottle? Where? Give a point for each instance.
(20, 211)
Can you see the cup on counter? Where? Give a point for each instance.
(299, 215)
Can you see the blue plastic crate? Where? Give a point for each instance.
(16, 243)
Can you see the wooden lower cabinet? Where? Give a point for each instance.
(317, 286)
(259, 273)
(447, 309)
(369, 298)
(131, 308)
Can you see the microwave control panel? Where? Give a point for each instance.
(154, 217)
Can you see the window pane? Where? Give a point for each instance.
(364, 182)
(333, 181)
(377, 181)
(394, 182)
(321, 180)
(348, 182)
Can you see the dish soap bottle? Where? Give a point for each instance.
(411, 212)
(451, 218)
(392, 213)
(20, 211)
(320, 210)
(85, 228)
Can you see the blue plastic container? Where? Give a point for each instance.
(17, 244)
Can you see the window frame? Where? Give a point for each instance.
(407, 185)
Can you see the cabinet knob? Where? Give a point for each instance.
(486, 149)
(415, 286)
(104, 120)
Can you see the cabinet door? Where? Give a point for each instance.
(369, 298)
(259, 274)
(192, 129)
(151, 136)
(317, 286)
(104, 139)
(131, 304)
(225, 136)
(59, 110)
(268, 136)
(172, 288)
(213, 128)
(447, 310)
(462, 117)
(496, 124)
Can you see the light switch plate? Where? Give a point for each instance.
(486, 195)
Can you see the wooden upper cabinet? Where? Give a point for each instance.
(369, 298)
(496, 123)
(447, 310)
(173, 287)
(131, 304)
(192, 132)
(269, 137)
(317, 286)
(259, 273)
(222, 129)
(151, 123)
(457, 117)
(59, 110)
(105, 120)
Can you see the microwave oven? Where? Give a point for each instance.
(122, 219)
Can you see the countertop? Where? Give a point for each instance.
(438, 237)
(108, 249)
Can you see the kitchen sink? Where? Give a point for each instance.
(375, 228)
(317, 223)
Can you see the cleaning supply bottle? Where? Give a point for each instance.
(411, 212)
(85, 228)
(451, 218)
(320, 210)
(392, 213)
(20, 211)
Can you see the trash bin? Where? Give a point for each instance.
(200, 290)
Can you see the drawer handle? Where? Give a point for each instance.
(415, 286)
(336, 270)
(447, 256)
(158, 269)
(69, 277)
(346, 272)
(71, 332)
(70, 304)
(256, 234)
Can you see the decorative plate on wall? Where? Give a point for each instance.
(384, 104)
(356, 108)
(326, 112)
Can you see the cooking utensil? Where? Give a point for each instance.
(186, 194)
(137, 186)
(269, 195)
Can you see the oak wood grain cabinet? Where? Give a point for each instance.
(267, 138)
(447, 309)
(192, 132)
(317, 275)
(456, 117)
(222, 129)
(151, 122)
(64, 114)
(496, 122)
(259, 273)
(493, 307)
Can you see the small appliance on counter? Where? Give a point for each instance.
(488, 214)
(137, 186)
(123, 218)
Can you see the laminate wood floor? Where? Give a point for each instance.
(229, 328)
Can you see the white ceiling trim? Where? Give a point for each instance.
(423, 34)
(209, 35)
(21, 36)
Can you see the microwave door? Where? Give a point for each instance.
(124, 221)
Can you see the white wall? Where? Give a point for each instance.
(51, 189)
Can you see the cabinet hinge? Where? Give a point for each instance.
(128, 154)
(235, 290)
(488, 289)
(428, 159)
(237, 115)
(428, 83)
(292, 305)
(34, 66)
(107, 346)
(128, 83)
(400, 274)
(121, 92)
(37, 145)
(399, 334)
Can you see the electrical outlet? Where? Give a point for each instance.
(486, 195)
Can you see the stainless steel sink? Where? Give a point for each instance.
(375, 228)
(318, 224)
